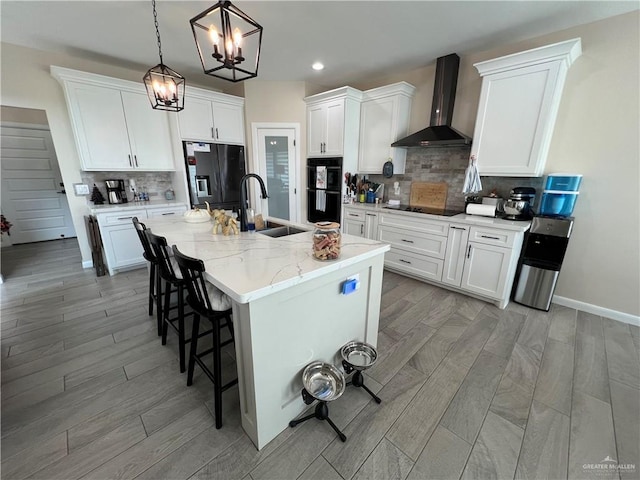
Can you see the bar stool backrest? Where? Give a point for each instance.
(141, 228)
(192, 270)
(161, 251)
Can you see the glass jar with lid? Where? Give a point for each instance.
(326, 241)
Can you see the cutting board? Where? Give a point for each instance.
(428, 195)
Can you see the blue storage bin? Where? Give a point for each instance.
(558, 203)
(565, 182)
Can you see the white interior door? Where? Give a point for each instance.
(33, 197)
(277, 152)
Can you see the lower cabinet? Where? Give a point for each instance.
(481, 260)
(120, 241)
(360, 223)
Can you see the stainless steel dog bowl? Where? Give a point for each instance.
(359, 355)
(323, 381)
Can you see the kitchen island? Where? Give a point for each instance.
(288, 309)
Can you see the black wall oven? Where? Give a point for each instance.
(324, 189)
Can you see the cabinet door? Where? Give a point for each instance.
(485, 270)
(371, 226)
(228, 123)
(122, 247)
(100, 127)
(376, 130)
(456, 251)
(354, 227)
(195, 122)
(316, 130)
(149, 133)
(335, 129)
(516, 116)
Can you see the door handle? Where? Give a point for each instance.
(213, 135)
(469, 252)
(361, 229)
(130, 163)
(217, 135)
(457, 228)
(404, 261)
(135, 158)
(406, 241)
(489, 237)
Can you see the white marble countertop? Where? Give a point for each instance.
(517, 226)
(249, 266)
(123, 207)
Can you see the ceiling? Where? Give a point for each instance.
(353, 39)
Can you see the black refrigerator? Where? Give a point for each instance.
(214, 172)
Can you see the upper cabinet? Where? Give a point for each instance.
(114, 126)
(212, 117)
(518, 107)
(384, 118)
(333, 123)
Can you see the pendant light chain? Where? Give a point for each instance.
(155, 21)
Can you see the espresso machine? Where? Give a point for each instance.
(116, 192)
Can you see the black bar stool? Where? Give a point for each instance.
(155, 287)
(173, 283)
(211, 303)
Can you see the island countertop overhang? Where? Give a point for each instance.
(250, 266)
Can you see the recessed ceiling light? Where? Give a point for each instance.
(317, 66)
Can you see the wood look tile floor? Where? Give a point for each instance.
(469, 391)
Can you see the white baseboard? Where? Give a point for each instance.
(87, 264)
(597, 310)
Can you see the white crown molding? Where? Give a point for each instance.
(336, 93)
(400, 88)
(566, 51)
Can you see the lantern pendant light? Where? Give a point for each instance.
(228, 42)
(165, 87)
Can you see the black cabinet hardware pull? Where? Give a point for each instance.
(135, 158)
(130, 163)
(492, 238)
(407, 241)
(125, 218)
(217, 134)
(457, 228)
(213, 135)
(405, 261)
(469, 252)
(361, 229)
(169, 213)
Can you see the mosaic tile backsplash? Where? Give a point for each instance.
(154, 183)
(448, 164)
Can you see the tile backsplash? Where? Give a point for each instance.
(449, 164)
(154, 183)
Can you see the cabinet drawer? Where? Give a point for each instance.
(490, 236)
(421, 266)
(354, 214)
(420, 243)
(166, 212)
(120, 218)
(434, 227)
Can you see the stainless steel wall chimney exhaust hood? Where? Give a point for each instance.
(440, 133)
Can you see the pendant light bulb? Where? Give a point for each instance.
(214, 35)
(237, 37)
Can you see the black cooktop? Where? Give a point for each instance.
(432, 211)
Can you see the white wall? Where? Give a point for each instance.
(277, 102)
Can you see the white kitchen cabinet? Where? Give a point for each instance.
(113, 123)
(456, 252)
(360, 223)
(120, 242)
(333, 125)
(353, 222)
(482, 260)
(518, 106)
(212, 117)
(384, 118)
(485, 270)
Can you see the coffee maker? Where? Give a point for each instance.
(116, 192)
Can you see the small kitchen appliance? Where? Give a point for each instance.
(519, 205)
(540, 261)
(116, 192)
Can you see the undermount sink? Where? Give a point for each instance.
(275, 230)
